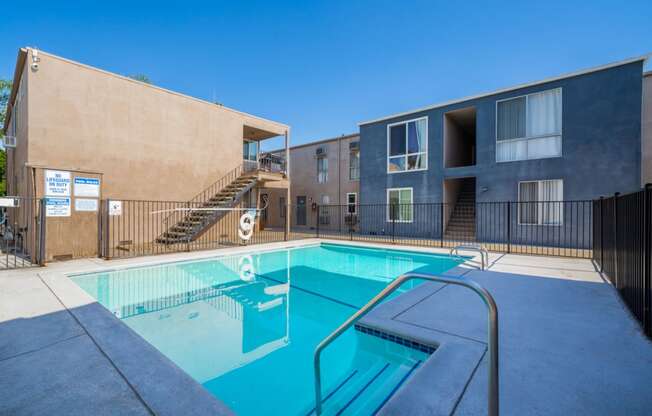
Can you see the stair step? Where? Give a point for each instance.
(181, 228)
(175, 234)
(460, 226)
(195, 221)
(351, 390)
(374, 396)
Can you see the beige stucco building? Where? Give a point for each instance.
(115, 138)
(324, 173)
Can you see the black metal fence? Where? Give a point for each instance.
(622, 249)
(138, 228)
(540, 228)
(22, 232)
(560, 228)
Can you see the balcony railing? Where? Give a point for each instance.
(271, 163)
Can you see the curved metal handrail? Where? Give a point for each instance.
(470, 284)
(484, 254)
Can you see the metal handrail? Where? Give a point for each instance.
(470, 284)
(483, 253)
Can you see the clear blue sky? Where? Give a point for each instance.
(322, 67)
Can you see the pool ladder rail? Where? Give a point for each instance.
(484, 254)
(492, 335)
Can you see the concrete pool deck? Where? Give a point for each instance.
(568, 345)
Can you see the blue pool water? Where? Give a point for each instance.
(246, 326)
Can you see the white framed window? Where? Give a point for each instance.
(351, 203)
(407, 145)
(529, 126)
(541, 202)
(354, 165)
(399, 205)
(282, 207)
(322, 169)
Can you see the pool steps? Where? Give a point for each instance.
(370, 384)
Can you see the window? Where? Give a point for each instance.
(541, 202)
(322, 169)
(351, 202)
(529, 127)
(250, 150)
(354, 165)
(407, 145)
(399, 205)
(324, 210)
(281, 206)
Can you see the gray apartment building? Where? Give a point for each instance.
(328, 174)
(571, 137)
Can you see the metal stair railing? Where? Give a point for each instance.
(484, 254)
(467, 283)
(213, 189)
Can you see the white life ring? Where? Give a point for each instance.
(247, 271)
(246, 226)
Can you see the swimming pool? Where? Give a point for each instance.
(246, 326)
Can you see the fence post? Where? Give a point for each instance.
(188, 236)
(106, 232)
(288, 213)
(509, 227)
(100, 232)
(317, 220)
(42, 228)
(647, 262)
(601, 234)
(616, 282)
(441, 223)
(394, 221)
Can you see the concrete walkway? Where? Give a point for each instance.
(568, 346)
(50, 363)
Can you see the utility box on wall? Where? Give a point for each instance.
(72, 206)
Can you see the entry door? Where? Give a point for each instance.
(301, 210)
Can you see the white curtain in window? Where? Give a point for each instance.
(528, 209)
(512, 150)
(544, 113)
(399, 205)
(511, 119)
(543, 147)
(322, 170)
(551, 193)
(422, 125)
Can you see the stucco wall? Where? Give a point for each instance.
(144, 142)
(17, 174)
(304, 180)
(601, 144)
(601, 154)
(148, 143)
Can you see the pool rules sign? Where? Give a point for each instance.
(57, 193)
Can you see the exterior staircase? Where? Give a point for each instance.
(462, 221)
(225, 193)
